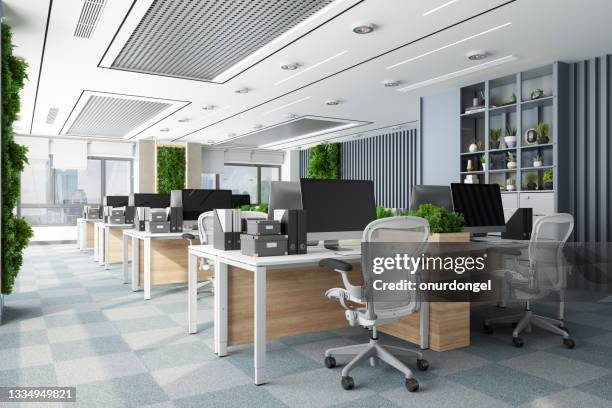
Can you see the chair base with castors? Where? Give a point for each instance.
(374, 351)
(525, 321)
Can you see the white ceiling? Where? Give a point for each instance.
(335, 64)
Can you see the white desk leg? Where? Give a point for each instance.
(96, 254)
(220, 302)
(105, 246)
(83, 236)
(260, 325)
(147, 268)
(192, 294)
(135, 264)
(424, 325)
(126, 275)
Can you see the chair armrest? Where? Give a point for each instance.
(505, 251)
(188, 236)
(336, 264)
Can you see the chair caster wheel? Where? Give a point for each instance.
(569, 343)
(330, 362)
(348, 383)
(517, 342)
(565, 329)
(422, 364)
(487, 329)
(412, 384)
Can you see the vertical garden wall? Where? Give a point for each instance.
(171, 168)
(15, 231)
(324, 161)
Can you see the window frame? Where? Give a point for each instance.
(52, 176)
(259, 167)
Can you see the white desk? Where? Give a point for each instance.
(85, 233)
(169, 262)
(259, 266)
(105, 242)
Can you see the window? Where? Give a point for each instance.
(253, 180)
(209, 180)
(60, 197)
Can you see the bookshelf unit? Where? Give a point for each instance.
(506, 106)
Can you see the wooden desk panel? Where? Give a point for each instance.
(114, 252)
(89, 239)
(168, 262)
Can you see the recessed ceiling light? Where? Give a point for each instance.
(433, 10)
(363, 28)
(332, 102)
(313, 66)
(257, 126)
(231, 135)
(471, 37)
(290, 66)
(477, 55)
(391, 83)
(242, 90)
(184, 120)
(461, 72)
(209, 107)
(290, 115)
(164, 130)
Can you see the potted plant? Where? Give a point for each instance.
(511, 161)
(510, 184)
(513, 98)
(537, 161)
(383, 212)
(537, 93)
(483, 162)
(494, 136)
(532, 181)
(548, 179)
(542, 131)
(444, 226)
(510, 138)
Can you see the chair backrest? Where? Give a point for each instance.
(411, 234)
(548, 237)
(205, 227)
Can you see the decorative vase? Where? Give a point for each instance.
(510, 187)
(532, 186)
(494, 144)
(470, 165)
(473, 148)
(484, 166)
(510, 141)
(548, 185)
(537, 163)
(543, 140)
(511, 165)
(531, 136)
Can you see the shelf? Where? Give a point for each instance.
(473, 172)
(498, 110)
(537, 146)
(506, 149)
(476, 114)
(537, 168)
(503, 170)
(545, 100)
(473, 153)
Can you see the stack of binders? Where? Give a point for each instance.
(226, 230)
(293, 224)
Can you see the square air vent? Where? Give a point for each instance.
(114, 117)
(88, 19)
(201, 39)
(51, 116)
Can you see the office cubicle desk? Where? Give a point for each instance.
(85, 233)
(260, 298)
(108, 243)
(157, 259)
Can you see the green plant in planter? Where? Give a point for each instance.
(513, 98)
(16, 233)
(511, 160)
(510, 131)
(532, 181)
(439, 218)
(537, 93)
(171, 168)
(324, 161)
(494, 136)
(542, 132)
(548, 179)
(382, 212)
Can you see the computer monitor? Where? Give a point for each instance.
(440, 196)
(238, 200)
(481, 206)
(196, 201)
(337, 209)
(116, 201)
(284, 195)
(151, 200)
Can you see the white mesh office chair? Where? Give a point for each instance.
(369, 313)
(542, 274)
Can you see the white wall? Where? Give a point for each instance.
(290, 169)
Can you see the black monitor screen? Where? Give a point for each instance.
(338, 205)
(480, 204)
(196, 201)
(151, 200)
(440, 196)
(238, 200)
(117, 201)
